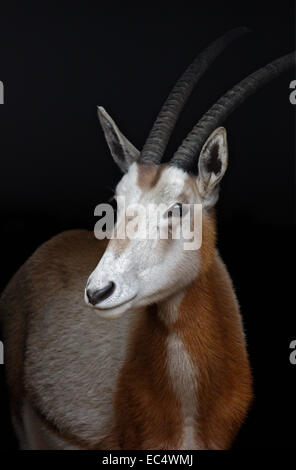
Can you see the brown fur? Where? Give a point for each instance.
(148, 414)
(149, 175)
(25, 292)
(212, 333)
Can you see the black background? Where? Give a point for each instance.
(57, 64)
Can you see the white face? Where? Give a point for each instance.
(143, 271)
(136, 272)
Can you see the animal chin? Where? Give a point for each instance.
(114, 310)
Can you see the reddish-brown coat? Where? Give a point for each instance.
(148, 414)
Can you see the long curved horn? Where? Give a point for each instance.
(158, 138)
(192, 144)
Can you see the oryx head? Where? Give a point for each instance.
(137, 271)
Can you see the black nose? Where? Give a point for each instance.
(97, 295)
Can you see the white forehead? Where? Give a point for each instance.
(173, 180)
(171, 184)
(128, 186)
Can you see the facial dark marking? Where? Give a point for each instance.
(214, 163)
(149, 175)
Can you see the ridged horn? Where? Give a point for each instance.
(164, 124)
(191, 146)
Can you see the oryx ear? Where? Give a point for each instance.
(122, 150)
(212, 166)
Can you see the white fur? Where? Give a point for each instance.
(183, 376)
(146, 270)
(72, 365)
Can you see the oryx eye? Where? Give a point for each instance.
(174, 211)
